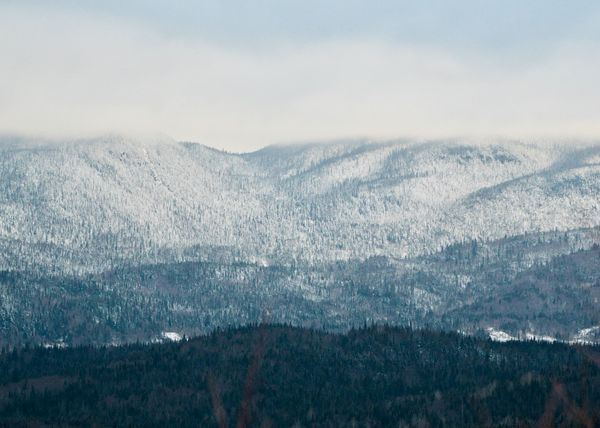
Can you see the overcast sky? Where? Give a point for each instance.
(242, 74)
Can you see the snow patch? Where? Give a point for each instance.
(499, 335)
(586, 335)
(56, 345)
(540, 338)
(171, 335)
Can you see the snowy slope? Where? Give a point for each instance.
(87, 206)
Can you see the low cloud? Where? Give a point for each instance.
(69, 74)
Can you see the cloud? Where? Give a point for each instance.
(73, 74)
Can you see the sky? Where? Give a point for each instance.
(239, 74)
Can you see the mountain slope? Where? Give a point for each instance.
(113, 240)
(91, 205)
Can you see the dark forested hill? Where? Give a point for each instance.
(281, 376)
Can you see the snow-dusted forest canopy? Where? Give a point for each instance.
(90, 205)
(116, 239)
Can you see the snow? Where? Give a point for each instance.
(499, 335)
(586, 335)
(57, 345)
(540, 338)
(171, 335)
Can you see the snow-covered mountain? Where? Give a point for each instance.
(86, 206)
(114, 239)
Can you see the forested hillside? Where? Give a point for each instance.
(114, 240)
(89, 206)
(527, 286)
(280, 376)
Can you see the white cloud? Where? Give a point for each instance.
(77, 75)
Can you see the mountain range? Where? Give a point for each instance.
(115, 239)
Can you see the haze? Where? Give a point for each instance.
(238, 76)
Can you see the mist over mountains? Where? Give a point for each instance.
(134, 238)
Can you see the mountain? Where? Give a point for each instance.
(86, 205)
(272, 375)
(117, 239)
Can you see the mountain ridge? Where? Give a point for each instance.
(201, 196)
(323, 234)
